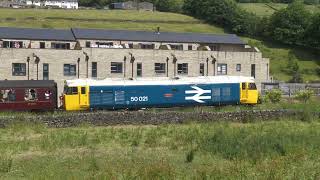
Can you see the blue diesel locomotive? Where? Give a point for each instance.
(158, 92)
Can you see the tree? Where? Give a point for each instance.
(289, 25)
(312, 37)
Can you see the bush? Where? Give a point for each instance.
(304, 95)
(273, 96)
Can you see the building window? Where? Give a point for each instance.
(12, 44)
(214, 47)
(94, 69)
(104, 44)
(202, 69)
(160, 68)
(88, 44)
(116, 67)
(18, 69)
(222, 69)
(238, 67)
(69, 69)
(139, 69)
(190, 47)
(146, 46)
(60, 45)
(176, 46)
(45, 71)
(183, 68)
(253, 70)
(42, 45)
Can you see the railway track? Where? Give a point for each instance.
(111, 118)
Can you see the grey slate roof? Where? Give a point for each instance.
(36, 34)
(122, 35)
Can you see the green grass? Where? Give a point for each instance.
(133, 20)
(287, 149)
(267, 9)
(309, 62)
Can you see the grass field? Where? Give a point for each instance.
(287, 149)
(267, 9)
(133, 20)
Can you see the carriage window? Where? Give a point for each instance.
(7, 95)
(47, 94)
(30, 95)
(243, 86)
(252, 86)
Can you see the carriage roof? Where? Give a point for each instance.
(159, 81)
(27, 83)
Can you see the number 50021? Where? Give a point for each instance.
(139, 99)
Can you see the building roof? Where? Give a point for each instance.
(36, 34)
(123, 35)
(26, 83)
(120, 35)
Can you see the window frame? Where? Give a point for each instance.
(22, 69)
(139, 70)
(238, 67)
(184, 70)
(220, 68)
(94, 71)
(201, 69)
(115, 69)
(160, 68)
(45, 71)
(69, 72)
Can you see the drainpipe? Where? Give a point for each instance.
(174, 60)
(87, 62)
(167, 66)
(214, 60)
(124, 66)
(207, 66)
(132, 59)
(78, 61)
(28, 61)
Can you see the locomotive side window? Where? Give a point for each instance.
(7, 95)
(30, 95)
(252, 86)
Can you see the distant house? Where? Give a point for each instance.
(130, 5)
(66, 4)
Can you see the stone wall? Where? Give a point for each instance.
(57, 58)
(107, 118)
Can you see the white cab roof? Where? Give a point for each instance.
(159, 81)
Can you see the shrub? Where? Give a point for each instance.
(273, 96)
(190, 156)
(304, 95)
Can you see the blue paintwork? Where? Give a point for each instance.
(118, 97)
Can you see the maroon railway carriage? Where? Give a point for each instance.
(26, 95)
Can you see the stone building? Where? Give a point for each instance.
(89, 53)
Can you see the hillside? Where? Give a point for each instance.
(267, 9)
(133, 20)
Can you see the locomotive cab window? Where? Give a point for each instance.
(71, 90)
(252, 86)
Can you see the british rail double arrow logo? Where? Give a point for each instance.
(198, 94)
